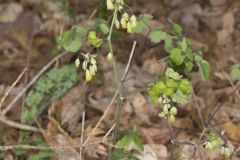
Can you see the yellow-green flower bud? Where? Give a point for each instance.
(125, 16)
(226, 152)
(110, 5)
(77, 62)
(208, 145)
(109, 56)
(123, 23)
(129, 27)
(120, 2)
(173, 111)
(162, 114)
(171, 118)
(160, 99)
(88, 75)
(165, 110)
(93, 61)
(93, 70)
(84, 65)
(117, 24)
(133, 21)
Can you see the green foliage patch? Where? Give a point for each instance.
(51, 86)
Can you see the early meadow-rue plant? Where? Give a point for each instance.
(169, 89)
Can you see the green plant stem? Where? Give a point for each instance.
(137, 90)
(119, 84)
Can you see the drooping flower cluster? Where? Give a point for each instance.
(168, 110)
(172, 88)
(124, 22)
(88, 65)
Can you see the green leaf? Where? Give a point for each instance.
(131, 140)
(204, 70)
(168, 91)
(94, 40)
(235, 72)
(204, 67)
(171, 83)
(168, 43)
(189, 53)
(124, 141)
(104, 28)
(179, 97)
(183, 44)
(188, 67)
(118, 154)
(160, 85)
(154, 95)
(185, 87)
(172, 74)
(177, 29)
(143, 22)
(72, 40)
(41, 155)
(176, 56)
(49, 87)
(20, 152)
(156, 36)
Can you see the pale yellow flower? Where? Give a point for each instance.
(77, 62)
(88, 75)
(109, 56)
(125, 16)
(110, 5)
(133, 21)
(117, 24)
(129, 27)
(123, 23)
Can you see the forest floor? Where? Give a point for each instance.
(28, 31)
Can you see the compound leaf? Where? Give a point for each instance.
(143, 22)
(156, 36)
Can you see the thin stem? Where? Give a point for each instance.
(12, 86)
(198, 109)
(82, 132)
(129, 61)
(220, 104)
(146, 88)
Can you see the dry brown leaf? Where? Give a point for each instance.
(232, 131)
(95, 151)
(228, 20)
(140, 107)
(217, 2)
(153, 66)
(68, 110)
(56, 137)
(224, 35)
(153, 152)
(9, 12)
(8, 156)
(155, 134)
